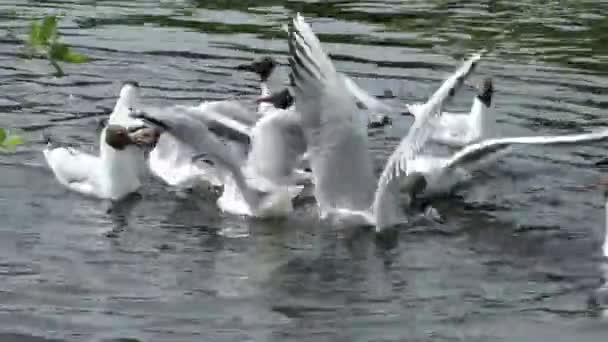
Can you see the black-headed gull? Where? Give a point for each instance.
(117, 170)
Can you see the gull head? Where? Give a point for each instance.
(118, 137)
(281, 99)
(414, 184)
(263, 67)
(486, 90)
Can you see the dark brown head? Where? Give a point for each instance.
(281, 99)
(414, 184)
(486, 91)
(263, 67)
(118, 137)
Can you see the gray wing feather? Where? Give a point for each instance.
(337, 144)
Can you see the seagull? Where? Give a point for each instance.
(117, 171)
(345, 185)
(460, 129)
(240, 196)
(111, 175)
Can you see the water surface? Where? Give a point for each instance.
(515, 260)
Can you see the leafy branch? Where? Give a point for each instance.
(8, 141)
(44, 40)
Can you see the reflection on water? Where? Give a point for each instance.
(515, 259)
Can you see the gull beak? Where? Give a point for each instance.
(246, 67)
(261, 99)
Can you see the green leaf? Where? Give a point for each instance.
(40, 33)
(2, 136)
(76, 58)
(34, 39)
(61, 52)
(58, 51)
(13, 140)
(48, 29)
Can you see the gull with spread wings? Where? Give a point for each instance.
(345, 185)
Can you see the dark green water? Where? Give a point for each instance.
(515, 260)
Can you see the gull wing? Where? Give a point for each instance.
(475, 152)
(337, 142)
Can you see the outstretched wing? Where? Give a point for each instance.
(190, 131)
(336, 139)
(475, 152)
(229, 114)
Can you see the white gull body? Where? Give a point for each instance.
(112, 174)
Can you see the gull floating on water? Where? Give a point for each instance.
(117, 171)
(345, 184)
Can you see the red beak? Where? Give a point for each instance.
(264, 99)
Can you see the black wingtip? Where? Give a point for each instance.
(486, 92)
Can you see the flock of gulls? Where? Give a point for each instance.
(313, 133)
